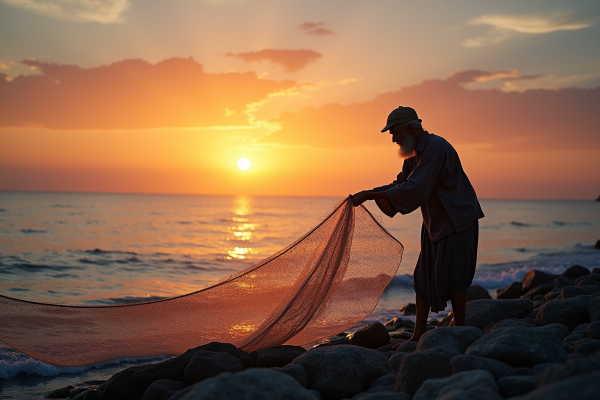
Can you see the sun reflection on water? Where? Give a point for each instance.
(244, 229)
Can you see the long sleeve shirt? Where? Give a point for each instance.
(434, 180)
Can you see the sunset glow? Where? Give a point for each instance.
(244, 164)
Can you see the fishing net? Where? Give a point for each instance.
(324, 283)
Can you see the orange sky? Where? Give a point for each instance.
(307, 114)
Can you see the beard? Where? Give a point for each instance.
(407, 148)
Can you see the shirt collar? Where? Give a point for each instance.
(423, 141)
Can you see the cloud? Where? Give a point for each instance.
(291, 60)
(103, 11)
(531, 120)
(131, 94)
(504, 26)
(315, 28)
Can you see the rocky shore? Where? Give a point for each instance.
(539, 339)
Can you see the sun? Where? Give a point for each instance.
(244, 164)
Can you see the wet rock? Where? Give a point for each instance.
(480, 313)
(251, 384)
(398, 323)
(587, 346)
(409, 309)
(162, 389)
(396, 360)
(276, 356)
(206, 364)
(453, 340)
(539, 290)
(593, 310)
(218, 347)
(580, 329)
(371, 336)
(437, 388)
(61, 393)
(531, 316)
(569, 292)
(576, 271)
(553, 294)
(516, 385)
(342, 371)
(562, 281)
(534, 278)
(86, 394)
(584, 387)
(512, 291)
(509, 323)
(519, 347)
(295, 371)
(558, 330)
(570, 312)
(572, 338)
(465, 362)
(407, 347)
(383, 396)
(575, 365)
(418, 367)
(476, 292)
(539, 367)
(588, 282)
(593, 276)
(593, 330)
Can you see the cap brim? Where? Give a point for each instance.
(388, 126)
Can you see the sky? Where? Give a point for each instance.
(157, 96)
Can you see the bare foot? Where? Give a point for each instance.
(416, 336)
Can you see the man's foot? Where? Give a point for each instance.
(416, 336)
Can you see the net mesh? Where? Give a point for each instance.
(324, 283)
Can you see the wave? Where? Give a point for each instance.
(98, 251)
(33, 231)
(62, 206)
(520, 224)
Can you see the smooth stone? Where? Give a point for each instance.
(531, 315)
(569, 292)
(574, 337)
(465, 362)
(453, 340)
(539, 367)
(522, 370)
(409, 309)
(539, 290)
(593, 331)
(381, 386)
(575, 365)
(476, 292)
(596, 246)
(206, 364)
(562, 281)
(584, 387)
(593, 276)
(418, 367)
(570, 312)
(295, 371)
(587, 346)
(512, 291)
(433, 389)
(480, 313)
(407, 347)
(371, 336)
(342, 371)
(251, 384)
(396, 360)
(593, 310)
(516, 385)
(534, 278)
(588, 282)
(519, 347)
(163, 389)
(277, 356)
(87, 394)
(397, 323)
(553, 294)
(559, 330)
(580, 329)
(60, 393)
(383, 396)
(509, 323)
(576, 271)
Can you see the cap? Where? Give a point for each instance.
(399, 116)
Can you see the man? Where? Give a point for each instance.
(432, 178)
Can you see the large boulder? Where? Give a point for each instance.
(512, 291)
(342, 371)
(582, 387)
(595, 276)
(466, 362)
(433, 389)
(576, 271)
(453, 340)
(519, 347)
(538, 290)
(416, 368)
(569, 312)
(276, 356)
(295, 371)
(569, 292)
(562, 281)
(407, 347)
(476, 292)
(371, 336)
(509, 323)
(396, 360)
(163, 389)
(534, 278)
(251, 384)
(511, 386)
(206, 364)
(559, 330)
(480, 313)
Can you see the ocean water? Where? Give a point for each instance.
(72, 248)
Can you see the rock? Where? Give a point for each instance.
(218, 347)
(593, 310)
(534, 278)
(436, 388)
(575, 365)
(398, 323)
(538, 368)
(508, 323)
(558, 330)
(522, 370)
(276, 356)
(61, 393)
(371, 336)
(584, 387)
(597, 246)
(587, 346)
(539, 290)
(407, 347)
(574, 338)
(76, 391)
(476, 292)
(576, 271)
(516, 385)
(531, 316)
(206, 364)
(580, 329)
(593, 276)
(383, 396)
(163, 389)
(342, 371)
(482, 312)
(418, 367)
(396, 360)
(251, 384)
(569, 292)
(295, 371)
(553, 294)
(447, 320)
(381, 388)
(519, 347)
(465, 362)
(386, 381)
(453, 340)
(593, 331)
(588, 282)
(570, 312)
(86, 394)
(409, 309)
(562, 281)
(512, 291)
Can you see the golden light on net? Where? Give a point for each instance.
(244, 164)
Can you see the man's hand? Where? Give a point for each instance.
(360, 197)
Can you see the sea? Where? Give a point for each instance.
(103, 249)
